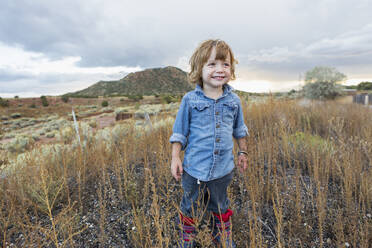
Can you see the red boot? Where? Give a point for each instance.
(222, 229)
(187, 232)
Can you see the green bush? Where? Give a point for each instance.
(301, 146)
(137, 106)
(364, 86)
(324, 74)
(15, 115)
(67, 134)
(19, 144)
(4, 103)
(168, 99)
(104, 103)
(292, 92)
(50, 135)
(305, 140)
(35, 137)
(321, 90)
(33, 105)
(44, 101)
(65, 98)
(135, 97)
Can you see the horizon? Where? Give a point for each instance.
(238, 84)
(253, 86)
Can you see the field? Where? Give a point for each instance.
(308, 183)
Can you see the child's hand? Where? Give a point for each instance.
(176, 168)
(242, 162)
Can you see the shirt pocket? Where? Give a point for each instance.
(229, 112)
(201, 113)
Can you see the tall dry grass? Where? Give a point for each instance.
(308, 184)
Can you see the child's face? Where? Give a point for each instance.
(216, 73)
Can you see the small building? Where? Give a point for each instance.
(363, 98)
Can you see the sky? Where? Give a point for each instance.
(54, 47)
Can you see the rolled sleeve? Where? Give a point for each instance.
(240, 129)
(240, 132)
(181, 124)
(180, 138)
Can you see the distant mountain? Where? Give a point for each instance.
(168, 80)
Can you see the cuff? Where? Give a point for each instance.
(180, 138)
(240, 132)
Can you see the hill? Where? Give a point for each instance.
(156, 81)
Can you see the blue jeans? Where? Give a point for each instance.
(211, 194)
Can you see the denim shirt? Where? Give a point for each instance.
(205, 128)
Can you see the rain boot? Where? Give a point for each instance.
(221, 233)
(186, 232)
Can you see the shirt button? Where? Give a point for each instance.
(218, 126)
(217, 113)
(217, 140)
(215, 152)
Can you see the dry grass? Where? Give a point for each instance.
(308, 185)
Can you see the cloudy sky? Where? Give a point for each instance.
(50, 47)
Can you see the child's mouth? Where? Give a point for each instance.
(218, 77)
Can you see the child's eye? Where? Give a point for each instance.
(212, 64)
(226, 64)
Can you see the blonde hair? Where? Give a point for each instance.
(202, 54)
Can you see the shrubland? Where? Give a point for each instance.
(307, 184)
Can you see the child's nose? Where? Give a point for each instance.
(219, 68)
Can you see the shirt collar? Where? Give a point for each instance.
(226, 89)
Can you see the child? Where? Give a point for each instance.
(207, 119)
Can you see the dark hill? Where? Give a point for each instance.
(168, 80)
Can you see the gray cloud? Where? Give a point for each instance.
(274, 40)
(349, 49)
(127, 32)
(51, 83)
(6, 75)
